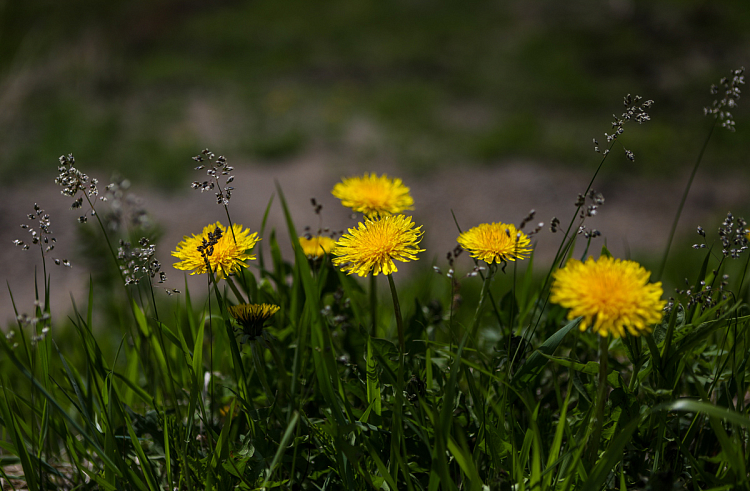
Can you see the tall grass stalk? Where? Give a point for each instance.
(683, 200)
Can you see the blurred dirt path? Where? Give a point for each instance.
(634, 220)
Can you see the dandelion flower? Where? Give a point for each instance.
(226, 251)
(373, 195)
(376, 243)
(495, 242)
(611, 295)
(252, 317)
(316, 247)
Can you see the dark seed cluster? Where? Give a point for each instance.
(77, 185)
(41, 235)
(635, 110)
(594, 200)
(704, 295)
(553, 224)
(526, 220)
(733, 235)
(206, 249)
(721, 108)
(451, 257)
(217, 169)
(137, 262)
(456, 286)
(74, 181)
(322, 231)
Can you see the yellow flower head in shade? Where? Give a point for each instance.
(495, 242)
(376, 243)
(226, 253)
(316, 247)
(252, 317)
(611, 295)
(373, 195)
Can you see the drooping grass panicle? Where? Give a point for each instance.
(217, 170)
(40, 234)
(720, 109)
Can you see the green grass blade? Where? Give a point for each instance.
(373, 383)
(262, 234)
(221, 450)
(535, 363)
(282, 447)
(144, 461)
(15, 434)
(11, 355)
(611, 456)
(554, 450)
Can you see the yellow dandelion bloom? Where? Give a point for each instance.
(611, 295)
(317, 246)
(373, 195)
(376, 243)
(495, 242)
(225, 256)
(252, 317)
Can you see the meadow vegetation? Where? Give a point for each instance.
(481, 371)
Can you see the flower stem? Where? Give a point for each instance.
(601, 398)
(374, 304)
(397, 429)
(482, 297)
(399, 320)
(106, 238)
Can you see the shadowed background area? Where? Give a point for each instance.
(485, 108)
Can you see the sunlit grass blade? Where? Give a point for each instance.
(12, 357)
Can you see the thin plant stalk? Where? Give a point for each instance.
(231, 227)
(742, 280)
(374, 304)
(682, 202)
(397, 309)
(482, 296)
(562, 249)
(106, 238)
(235, 290)
(601, 398)
(397, 427)
(479, 270)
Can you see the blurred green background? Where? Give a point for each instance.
(139, 86)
